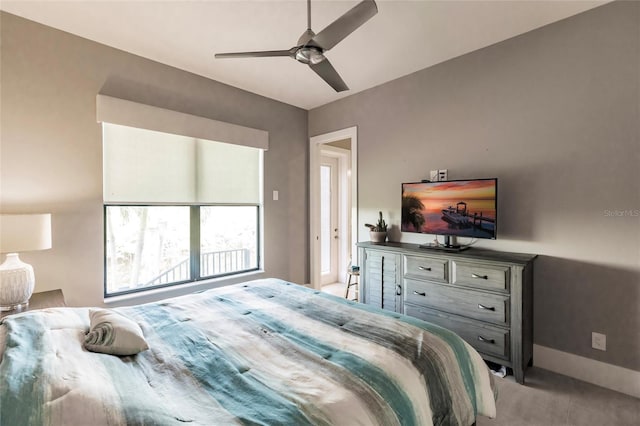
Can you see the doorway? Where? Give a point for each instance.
(333, 207)
(330, 174)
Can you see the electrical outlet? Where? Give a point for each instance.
(433, 176)
(276, 195)
(599, 341)
(442, 174)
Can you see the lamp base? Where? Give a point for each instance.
(16, 283)
(18, 308)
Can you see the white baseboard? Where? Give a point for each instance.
(588, 370)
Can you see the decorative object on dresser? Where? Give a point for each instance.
(18, 233)
(484, 296)
(378, 232)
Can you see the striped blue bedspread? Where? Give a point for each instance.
(265, 352)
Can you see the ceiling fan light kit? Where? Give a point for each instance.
(311, 47)
(310, 55)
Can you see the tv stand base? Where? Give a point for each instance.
(450, 249)
(450, 245)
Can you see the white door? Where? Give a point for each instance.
(348, 217)
(329, 205)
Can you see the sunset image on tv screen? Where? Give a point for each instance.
(462, 208)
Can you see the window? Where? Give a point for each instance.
(177, 209)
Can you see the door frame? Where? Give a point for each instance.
(315, 143)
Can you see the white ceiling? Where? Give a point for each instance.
(404, 37)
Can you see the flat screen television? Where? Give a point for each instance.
(456, 208)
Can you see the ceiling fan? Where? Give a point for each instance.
(311, 47)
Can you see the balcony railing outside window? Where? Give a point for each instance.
(211, 264)
(154, 246)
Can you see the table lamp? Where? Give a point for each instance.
(18, 233)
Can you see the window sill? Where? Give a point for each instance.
(179, 290)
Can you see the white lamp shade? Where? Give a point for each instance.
(24, 232)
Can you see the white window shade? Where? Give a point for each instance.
(228, 173)
(143, 166)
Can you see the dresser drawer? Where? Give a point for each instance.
(426, 267)
(484, 338)
(469, 303)
(487, 277)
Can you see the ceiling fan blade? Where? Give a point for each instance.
(261, 54)
(329, 74)
(346, 24)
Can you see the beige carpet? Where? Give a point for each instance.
(550, 399)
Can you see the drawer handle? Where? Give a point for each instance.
(423, 268)
(483, 339)
(487, 308)
(484, 277)
(419, 293)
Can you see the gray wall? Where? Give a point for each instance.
(51, 152)
(554, 114)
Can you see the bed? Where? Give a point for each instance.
(264, 352)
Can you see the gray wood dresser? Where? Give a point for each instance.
(484, 296)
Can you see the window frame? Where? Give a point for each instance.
(194, 245)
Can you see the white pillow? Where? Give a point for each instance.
(113, 333)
